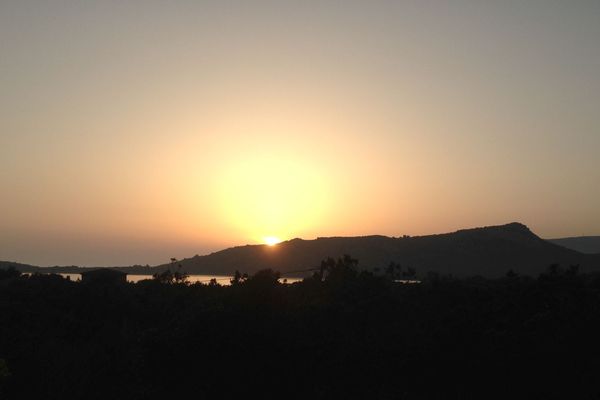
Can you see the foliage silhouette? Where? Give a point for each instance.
(238, 278)
(172, 277)
(9, 273)
(344, 333)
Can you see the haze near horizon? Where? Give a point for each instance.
(133, 132)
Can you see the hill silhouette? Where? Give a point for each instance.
(582, 244)
(487, 251)
(18, 266)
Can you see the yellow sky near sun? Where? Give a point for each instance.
(131, 132)
(272, 195)
(270, 172)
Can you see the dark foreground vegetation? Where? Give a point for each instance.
(341, 334)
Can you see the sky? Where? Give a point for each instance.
(136, 131)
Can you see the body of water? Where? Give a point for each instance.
(221, 279)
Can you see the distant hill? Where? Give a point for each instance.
(73, 269)
(489, 251)
(582, 244)
(18, 266)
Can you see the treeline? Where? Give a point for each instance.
(339, 334)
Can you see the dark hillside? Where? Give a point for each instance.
(582, 244)
(488, 251)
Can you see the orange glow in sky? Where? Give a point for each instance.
(132, 132)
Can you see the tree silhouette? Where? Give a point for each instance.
(264, 278)
(409, 274)
(213, 282)
(394, 271)
(572, 271)
(238, 278)
(368, 338)
(172, 277)
(341, 270)
(8, 273)
(511, 274)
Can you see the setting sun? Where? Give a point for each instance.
(271, 240)
(286, 189)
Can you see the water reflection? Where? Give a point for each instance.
(221, 279)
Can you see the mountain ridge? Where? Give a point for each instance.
(488, 251)
(582, 244)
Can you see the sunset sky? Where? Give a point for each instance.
(136, 131)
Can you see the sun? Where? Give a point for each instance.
(271, 240)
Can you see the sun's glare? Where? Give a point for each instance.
(272, 240)
(260, 193)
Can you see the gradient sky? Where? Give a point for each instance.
(136, 131)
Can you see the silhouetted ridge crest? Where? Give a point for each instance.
(514, 228)
(582, 244)
(487, 251)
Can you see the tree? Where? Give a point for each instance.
(238, 278)
(572, 271)
(264, 278)
(172, 277)
(394, 271)
(4, 373)
(512, 274)
(10, 272)
(341, 270)
(213, 282)
(554, 269)
(409, 274)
